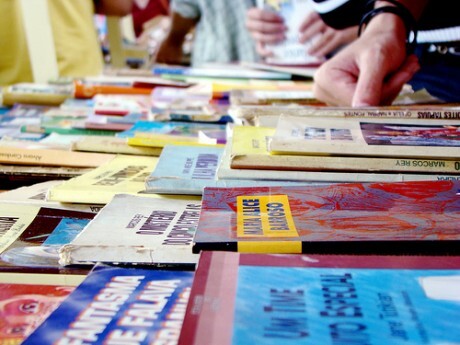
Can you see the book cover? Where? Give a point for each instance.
(97, 143)
(290, 51)
(117, 305)
(123, 174)
(271, 97)
(419, 217)
(247, 154)
(323, 299)
(188, 169)
(31, 235)
(24, 306)
(370, 137)
(50, 157)
(138, 230)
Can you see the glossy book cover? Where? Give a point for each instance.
(384, 218)
(323, 299)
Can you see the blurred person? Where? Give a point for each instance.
(373, 69)
(267, 27)
(78, 51)
(220, 34)
(145, 10)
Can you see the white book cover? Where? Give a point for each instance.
(406, 138)
(135, 229)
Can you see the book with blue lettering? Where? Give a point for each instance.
(188, 169)
(419, 217)
(133, 229)
(119, 305)
(323, 299)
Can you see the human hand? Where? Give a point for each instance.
(169, 52)
(265, 27)
(327, 39)
(370, 71)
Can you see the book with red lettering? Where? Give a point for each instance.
(119, 305)
(241, 298)
(418, 217)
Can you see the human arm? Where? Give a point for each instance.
(118, 8)
(373, 69)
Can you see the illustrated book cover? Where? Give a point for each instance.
(123, 174)
(249, 152)
(323, 299)
(141, 230)
(31, 235)
(419, 217)
(415, 138)
(116, 305)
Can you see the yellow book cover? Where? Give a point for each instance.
(50, 157)
(98, 143)
(124, 174)
(155, 141)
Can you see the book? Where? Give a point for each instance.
(52, 157)
(188, 169)
(97, 143)
(116, 305)
(123, 174)
(260, 115)
(138, 230)
(323, 299)
(36, 194)
(271, 97)
(247, 153)
(356, 218)
(290, 51)
(370, 137)
(31, 235)
(36, 94)
(26, 303)
(249, 157)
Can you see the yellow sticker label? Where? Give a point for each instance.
(264, 216)
(275, 247)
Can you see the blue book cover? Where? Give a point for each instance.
(119, 305)
(188, 169)
(323, 299)
(170, 127)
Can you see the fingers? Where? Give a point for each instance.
(262, 51)
(325, 44)
(265, 26)
(394, 84)
(310, 19)
(314, 29)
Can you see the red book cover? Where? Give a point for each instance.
(356, 218)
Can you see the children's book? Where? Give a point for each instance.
(290, 51)
(188, 169)
(31, 235)
(26, 303)
(416, 139)
(417, 217)
(123, 174)
(323, 299)
(119, 305)
(250, 145)
(138, 230)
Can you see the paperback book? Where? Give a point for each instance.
(323, 299)
(249, 151)
(138, 230)
(415, 139)
(98, 143)
(419, 217)
(123, 174)
(116, 305)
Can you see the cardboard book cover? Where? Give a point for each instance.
(249, 144)
(419, 217)
(98, 143)
(123, 174)
(408, 138)
(31, 235)
(271, 97)
(135, 229)
(119, 305)
(323, 299)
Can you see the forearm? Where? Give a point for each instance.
(113, 7)
(180, 27)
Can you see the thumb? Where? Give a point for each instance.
(370, 81)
